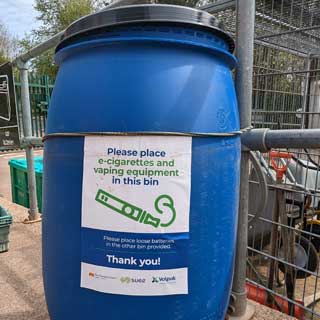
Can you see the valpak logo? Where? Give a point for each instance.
(163, 280)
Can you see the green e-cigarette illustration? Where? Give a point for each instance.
(162, 203)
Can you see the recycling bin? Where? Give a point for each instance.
(141, 168)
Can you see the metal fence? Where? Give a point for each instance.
(40, 89)
(284, 239)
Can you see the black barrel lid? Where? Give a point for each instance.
(146, 13)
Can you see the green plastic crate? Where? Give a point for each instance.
(5, 222)
(19, 181)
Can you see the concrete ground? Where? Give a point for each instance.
(21, 287)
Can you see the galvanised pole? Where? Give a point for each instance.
(244, 52)
(265, 139)
(27, 132)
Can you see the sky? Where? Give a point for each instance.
(18, 16)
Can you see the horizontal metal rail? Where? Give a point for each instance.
(275, 123)
(286, 73)
(284, 112)
(270, 69)
(39, 49)
(274, 35)
(265, 139)
(277, 91)
(283, 48)
(219, 6)
(283, 261)
(304, 232)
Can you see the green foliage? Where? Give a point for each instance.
(3, 44)
(8, 45)
(54, 16)
(3, 58)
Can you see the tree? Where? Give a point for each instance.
(54, 15)
(8, 45)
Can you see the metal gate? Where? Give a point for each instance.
(40, 88)
(284, 239)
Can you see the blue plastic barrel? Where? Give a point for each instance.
(160, 72)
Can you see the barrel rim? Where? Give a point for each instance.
(146, 13)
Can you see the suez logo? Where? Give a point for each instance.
(128, 280)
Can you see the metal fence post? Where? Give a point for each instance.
(306, 90)
(47, 89)
(244, 52)
(27, 132)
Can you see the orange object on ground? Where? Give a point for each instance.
(280, 169)
(260, 295)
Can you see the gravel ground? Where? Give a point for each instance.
(21, 288)
(265, 313)
(22, 296)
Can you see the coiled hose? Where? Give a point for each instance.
(263, 186)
